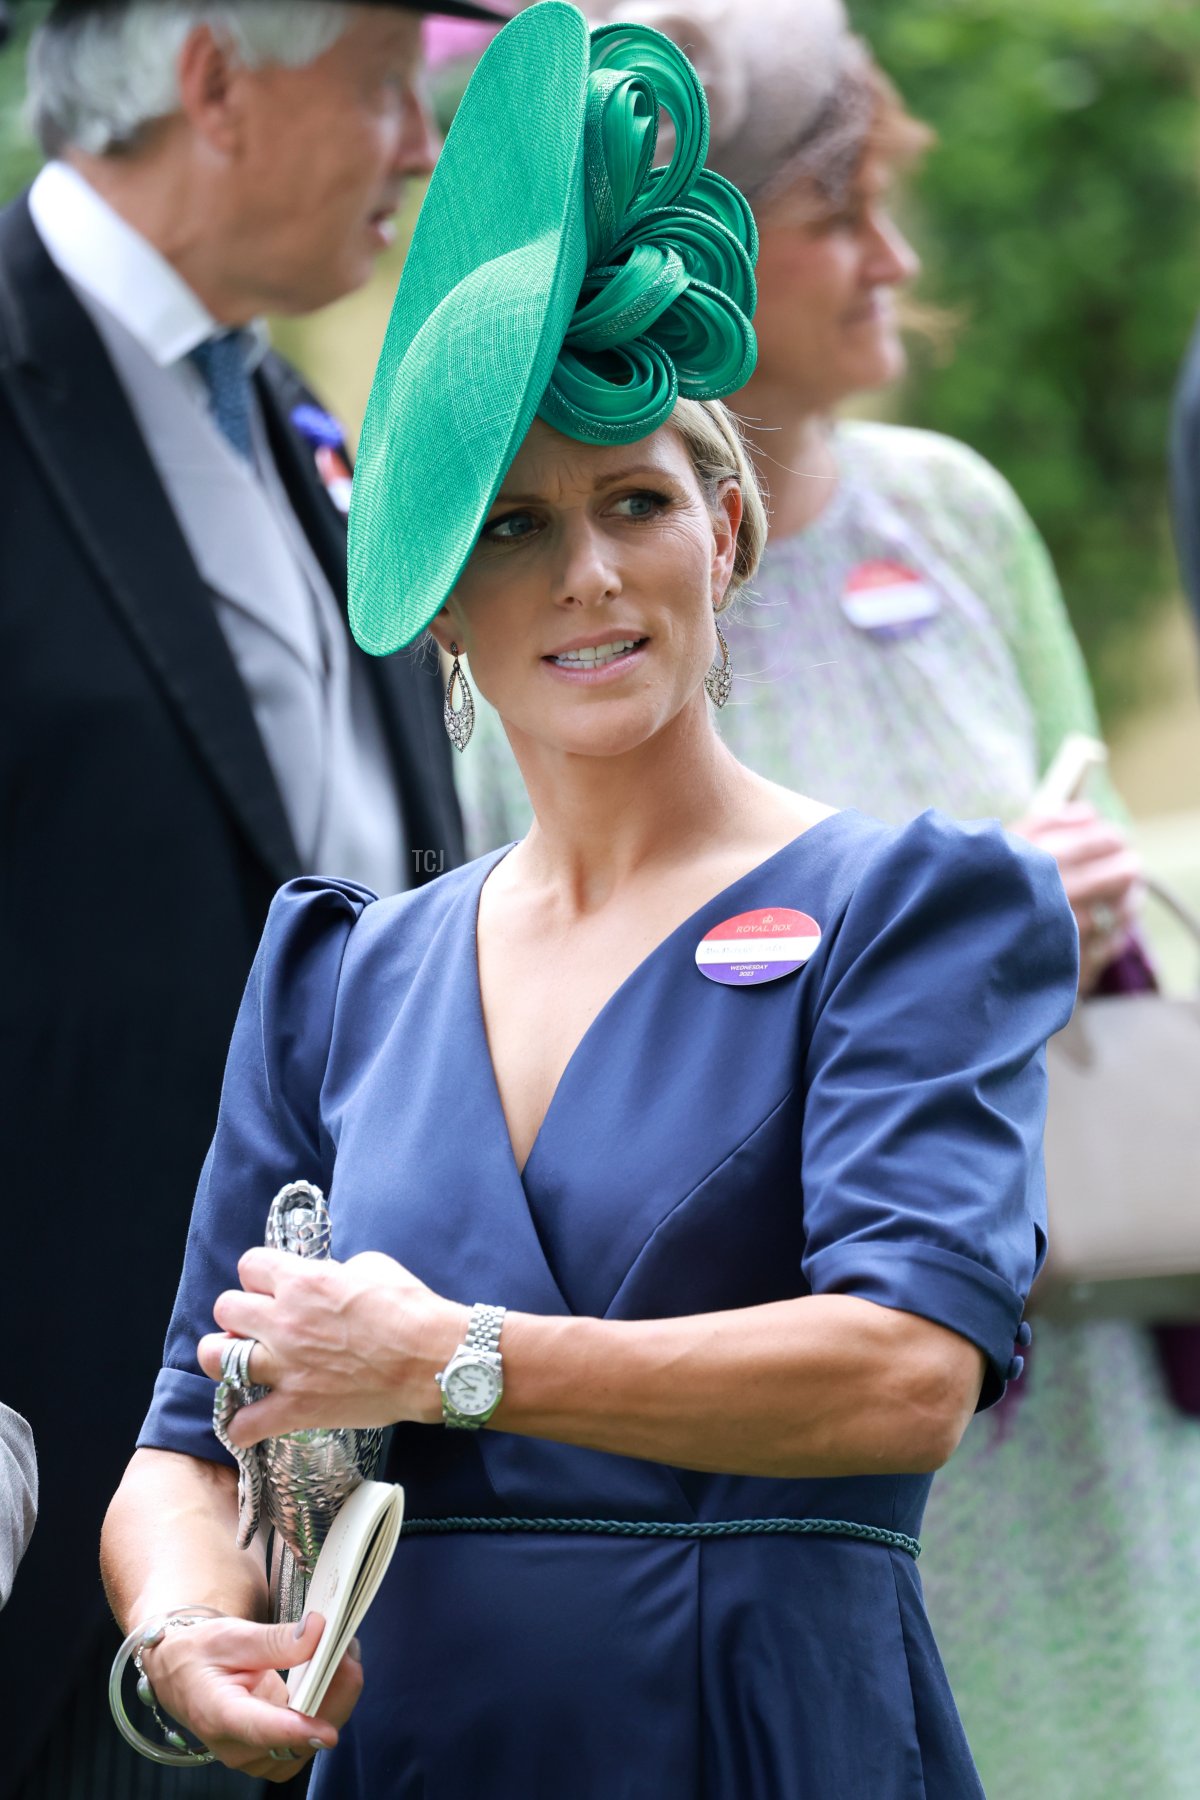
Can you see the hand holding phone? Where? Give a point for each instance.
(1074, 760)
(1101, 872)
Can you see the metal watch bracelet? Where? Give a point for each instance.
(483, 1331)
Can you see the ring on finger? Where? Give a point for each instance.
(287, 1754)
(235, 1361)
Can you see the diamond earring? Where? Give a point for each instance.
(718, 682)
(461, 723)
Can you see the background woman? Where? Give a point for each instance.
(907, 646)
(764, 1245)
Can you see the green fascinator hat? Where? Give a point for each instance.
(554, 272)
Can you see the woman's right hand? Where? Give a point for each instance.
(221, 1679)
(1101, 875)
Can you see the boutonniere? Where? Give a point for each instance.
(328, 440)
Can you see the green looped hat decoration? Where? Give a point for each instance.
(553, 272)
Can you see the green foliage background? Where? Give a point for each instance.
(18, 158)
(1059, 220)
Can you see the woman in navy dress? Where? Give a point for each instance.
(764, 1244)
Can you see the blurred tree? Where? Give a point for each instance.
(19, 157)
(1060, 219)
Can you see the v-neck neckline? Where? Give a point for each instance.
(480, 1020)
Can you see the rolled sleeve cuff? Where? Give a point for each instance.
(933, 1283)
(180, 1418)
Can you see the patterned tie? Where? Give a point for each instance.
(222, 363)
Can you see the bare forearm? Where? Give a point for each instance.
(823, 1386)
(168, 1541)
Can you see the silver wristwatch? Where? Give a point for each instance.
(473, 1380)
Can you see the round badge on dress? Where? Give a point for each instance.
(887, 599)
(757, 946)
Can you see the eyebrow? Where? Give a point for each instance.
(602, 481)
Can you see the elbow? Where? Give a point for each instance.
(941, 1394)
(113, 1530)
(932, 1444)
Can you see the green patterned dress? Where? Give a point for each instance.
(1062, 1543)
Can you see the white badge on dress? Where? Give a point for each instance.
(757, 946)
(887, 599)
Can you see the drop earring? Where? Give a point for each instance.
(461, 723)
(719, 681)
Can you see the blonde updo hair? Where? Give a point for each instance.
(713, 440)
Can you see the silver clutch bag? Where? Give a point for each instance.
(293, 1486)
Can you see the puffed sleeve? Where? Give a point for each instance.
(955, 960)
(268, 1133)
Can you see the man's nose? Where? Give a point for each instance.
(419, 144)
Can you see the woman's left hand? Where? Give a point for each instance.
(338, 1344)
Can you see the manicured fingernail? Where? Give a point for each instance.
(302, 1627)
(354, 1650)
(316, 1744)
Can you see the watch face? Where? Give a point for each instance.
(472, 1388)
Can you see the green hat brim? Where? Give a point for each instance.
(489, 286)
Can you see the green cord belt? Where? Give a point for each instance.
(664, 1528)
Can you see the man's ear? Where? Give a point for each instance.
(211, 88)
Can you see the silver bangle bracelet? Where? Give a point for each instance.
(174, 1753)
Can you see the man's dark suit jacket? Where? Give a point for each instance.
(141, 840)
(1185, 473)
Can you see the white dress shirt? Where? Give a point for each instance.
(310, 695)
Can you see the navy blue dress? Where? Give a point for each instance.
(869, 1125)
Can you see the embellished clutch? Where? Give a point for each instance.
(294, 1485)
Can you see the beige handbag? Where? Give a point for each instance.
(1123, 1157)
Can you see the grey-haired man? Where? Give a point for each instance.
(187, 723)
